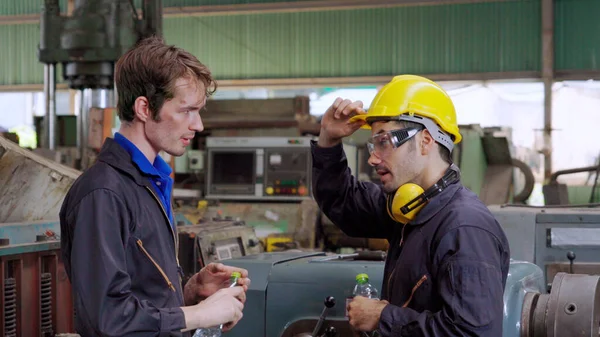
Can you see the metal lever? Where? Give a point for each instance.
(329, 303)
(571, 256)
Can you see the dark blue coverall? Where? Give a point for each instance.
(445, 271)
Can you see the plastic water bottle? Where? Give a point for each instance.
(216, 331)
(365, 289)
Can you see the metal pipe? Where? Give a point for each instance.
(548, 79)
(49, 140)
(85, 96)
(98, 98)
(554, 176)
(110, 99)
(115, 95)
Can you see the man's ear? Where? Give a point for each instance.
(141, 109)
(427, 143)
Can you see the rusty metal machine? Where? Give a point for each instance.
(35, 294)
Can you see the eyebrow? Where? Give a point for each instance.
(195, 106)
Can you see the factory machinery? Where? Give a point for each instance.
(35, 294)
(293, 292)
(302, 294)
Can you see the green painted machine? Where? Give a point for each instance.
(302, 294)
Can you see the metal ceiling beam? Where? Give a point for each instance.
(19, 19)
(306, 6)
(317, 82)
(298, 83)
(274, 7)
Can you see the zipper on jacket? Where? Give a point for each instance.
(402, 236)
(139, 243)
(390, 281)
(392, 273)
(169, 221)
(419, 283)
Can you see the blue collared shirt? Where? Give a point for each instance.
(158, 173)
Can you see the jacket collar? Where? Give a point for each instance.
(116, 156)
(436, 204)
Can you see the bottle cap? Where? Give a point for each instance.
(362, 277)
(236, 274)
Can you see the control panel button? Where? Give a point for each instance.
(269, 190)
(302, 190)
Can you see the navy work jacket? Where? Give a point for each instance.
(445, 271)
(120, 252)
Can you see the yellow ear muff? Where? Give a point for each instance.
(404, 194)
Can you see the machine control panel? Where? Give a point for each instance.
(286, 172)
(258, 168)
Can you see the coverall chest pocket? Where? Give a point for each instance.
(413, 280)
(146, 266)
(420, 295)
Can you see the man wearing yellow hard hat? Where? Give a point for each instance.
(448, 257)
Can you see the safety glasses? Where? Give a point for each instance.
(383, 144)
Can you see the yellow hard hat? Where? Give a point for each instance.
(407, 96)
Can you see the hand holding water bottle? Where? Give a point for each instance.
(364, 313)
(364, 309)
(211, 278)
(226, 309)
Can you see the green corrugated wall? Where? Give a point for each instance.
(577, 34)
(18, 55)
(22, 7)
(466, 38)
(429, 39)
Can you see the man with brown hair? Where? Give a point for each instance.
(118, 238)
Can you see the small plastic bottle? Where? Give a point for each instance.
(365, 289)
(217, 330)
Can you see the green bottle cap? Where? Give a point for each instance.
(362, 278)
(236, 274)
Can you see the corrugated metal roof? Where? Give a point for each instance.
(21, 7)
(484, 37)
(577, 42)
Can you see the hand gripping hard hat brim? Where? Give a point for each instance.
(407, 96)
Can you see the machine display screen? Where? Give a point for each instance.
(232, 168)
